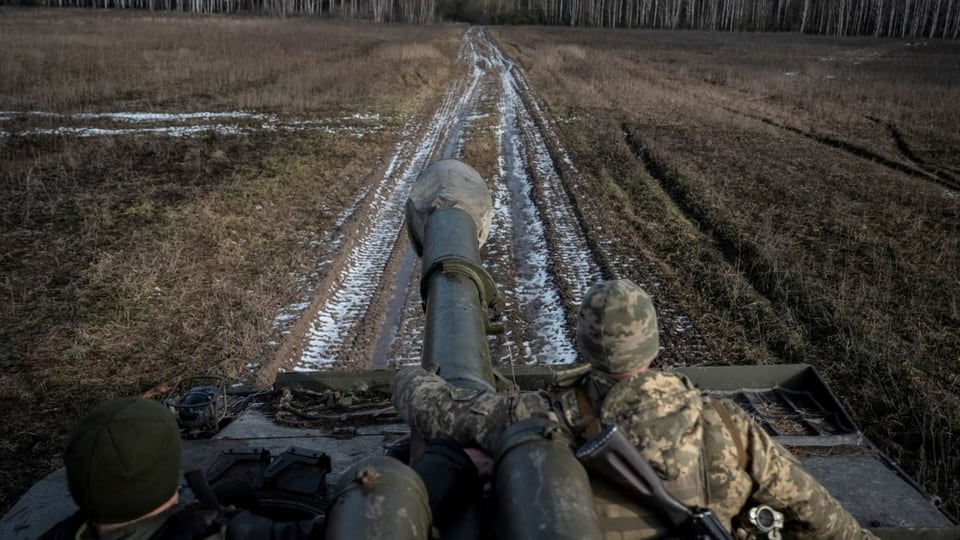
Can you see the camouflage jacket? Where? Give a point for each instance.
(678, 431)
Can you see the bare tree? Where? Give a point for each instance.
(914, 18)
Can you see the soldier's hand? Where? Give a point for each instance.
(481, 460)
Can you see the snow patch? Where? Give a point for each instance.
(185, 124)
(348, 298)
(523, 147)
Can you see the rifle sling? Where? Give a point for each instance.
(734, 433)
(589, 422)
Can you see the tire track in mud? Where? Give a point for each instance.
(367, 312)
(869, 155)
(347, 312)
(551, 166)
(745, 255)
(554, 266)
(904, 148)
(922, 173)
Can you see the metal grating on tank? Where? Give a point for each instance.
(794, 417)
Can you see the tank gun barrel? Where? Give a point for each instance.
(448, 216)
(542, 490)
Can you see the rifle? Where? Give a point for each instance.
(612, 456)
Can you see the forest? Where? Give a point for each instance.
(881, 18)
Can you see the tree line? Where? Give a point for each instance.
(894, 18)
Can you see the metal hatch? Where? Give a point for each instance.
(798, 410)
(790, 402)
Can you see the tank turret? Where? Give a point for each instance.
(339, 421)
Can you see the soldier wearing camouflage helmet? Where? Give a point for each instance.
(708, 453)
(617, 327)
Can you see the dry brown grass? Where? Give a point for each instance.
(801, 196)
(66, 60)
(133, 260)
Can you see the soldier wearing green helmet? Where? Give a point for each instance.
(123, 470)
(708, 453)
(123, 463)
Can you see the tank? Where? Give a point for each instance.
(309, 441)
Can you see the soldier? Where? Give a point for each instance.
(123, 470)
(708, 453)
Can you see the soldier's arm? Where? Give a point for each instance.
(809, 509)
(434, 408)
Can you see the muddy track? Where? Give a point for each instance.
(741, 253)
(921, 170)
(900, 141)
(869, 155)
(366, 311)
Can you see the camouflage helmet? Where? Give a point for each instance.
(617, 327)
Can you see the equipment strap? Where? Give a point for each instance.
(588, 417)
(734, 432)
(202, 490)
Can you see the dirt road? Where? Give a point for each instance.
(367, 312)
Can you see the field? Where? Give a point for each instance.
(785, 199)
(800, 195)
(132, 260)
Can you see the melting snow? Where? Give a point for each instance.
(538, 293)
(171, 117)
(183, 124)
(347, 300)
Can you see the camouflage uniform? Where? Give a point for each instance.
(682, 434)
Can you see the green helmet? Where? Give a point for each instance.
(617, 327)
(123, 459)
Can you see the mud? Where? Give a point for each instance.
(367, 312)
